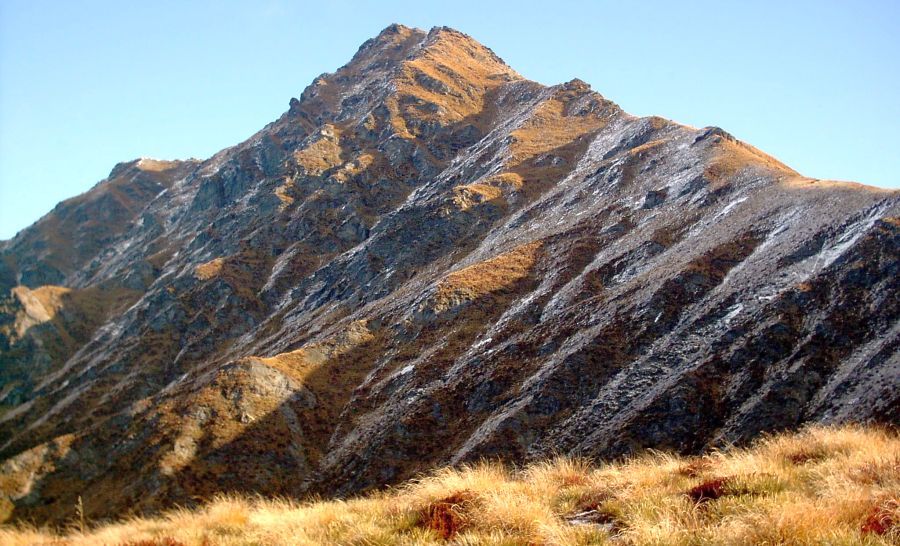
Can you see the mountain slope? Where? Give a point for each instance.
(429, 259)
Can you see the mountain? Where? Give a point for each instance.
(428, 260)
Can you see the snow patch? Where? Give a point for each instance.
(728, 208)
(733, 312)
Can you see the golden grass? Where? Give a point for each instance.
(550, 128)
(156, 165)
(210, 269)
(505, 180)
(731, 157)
(299, 364)
(469, 195)
(646, 146)
(819, 486)
(359, 164)
(38, 306)
(323, 153)
(454, 73)
(806, 183)
(489, 276)
(283, 193)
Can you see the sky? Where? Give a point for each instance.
(86, 84)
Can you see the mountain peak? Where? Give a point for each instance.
(430, 259)
(397, 28)
(403, 80)
(391, 44)
(148, 164)
(476, 50)
(451, 46)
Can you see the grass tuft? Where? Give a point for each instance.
(709, 490)
(823, 485)
(447, 516)
(883, 518)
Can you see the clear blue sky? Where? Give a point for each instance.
(86, 84)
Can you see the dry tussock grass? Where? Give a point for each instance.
(454, 73)
(818, 486)
(732, 157)
(470, 195)
(493, 275)
(210, 269)
(806, 183)
(550, 128)
(323, 153)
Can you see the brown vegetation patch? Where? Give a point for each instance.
(647, 146)
(593, 500)
(447, 516)
(709, 490)
(883, 518)
(470, 195)
(714, 264)
(299, 363)
(210, 269)
(806, 183)
(283, 193)
(507, 180)
(361, 163)
(322, 154)
(496, 274)
(244, 273)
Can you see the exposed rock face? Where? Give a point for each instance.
(427, 260)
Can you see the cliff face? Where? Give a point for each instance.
(428, 260)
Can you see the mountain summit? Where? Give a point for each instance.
(427, 260)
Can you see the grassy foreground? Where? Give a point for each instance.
(819, 486)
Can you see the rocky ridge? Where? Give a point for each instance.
(427, 260)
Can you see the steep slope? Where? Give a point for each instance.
(427, 260)
(50, 301)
